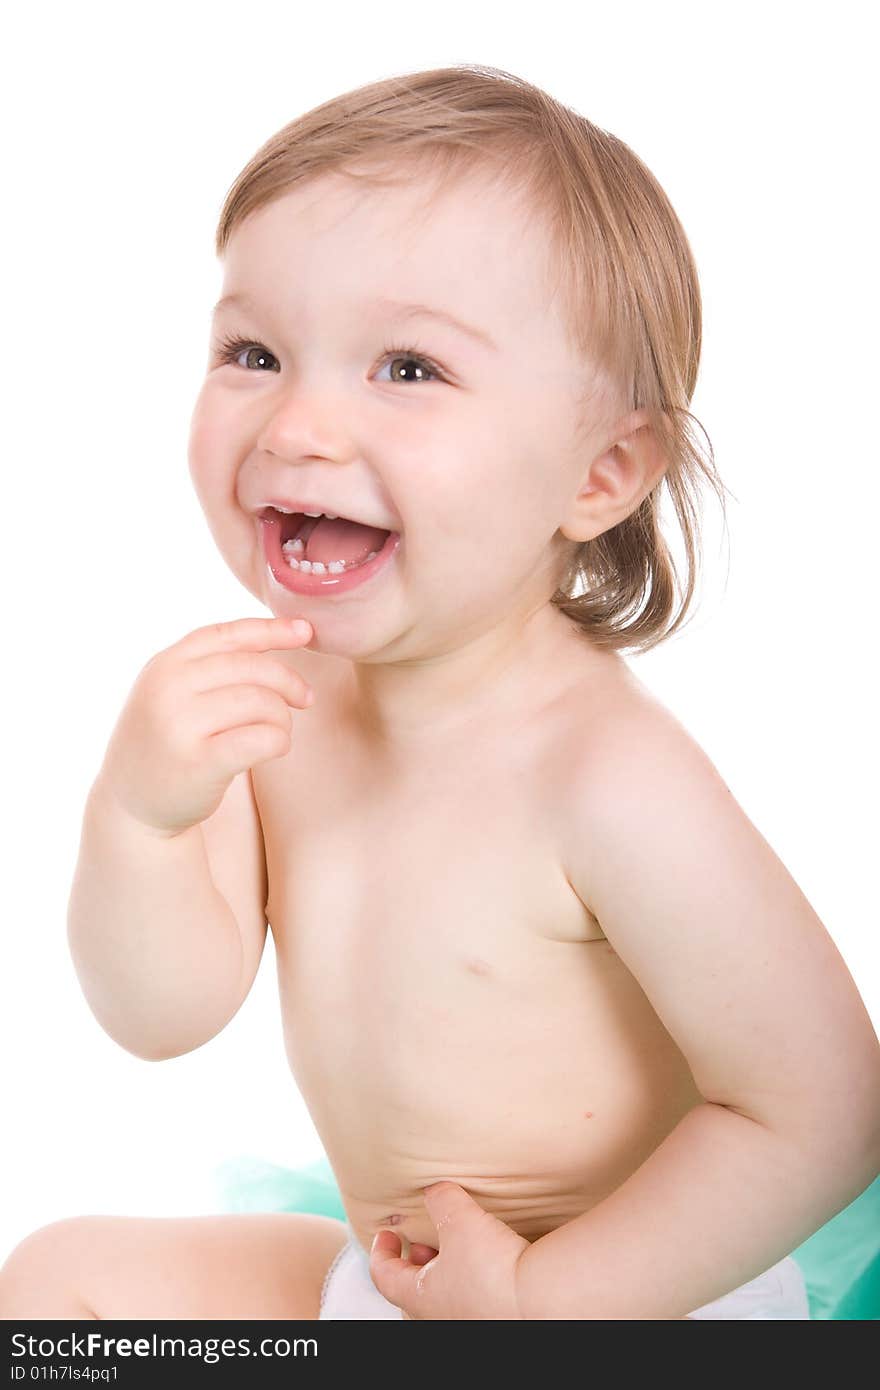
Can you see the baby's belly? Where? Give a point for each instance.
(538, 1081)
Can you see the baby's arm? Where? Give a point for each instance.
(165, 921)
(159, 953)
(750, 985)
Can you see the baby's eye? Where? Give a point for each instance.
(233, 348)
(415, 368)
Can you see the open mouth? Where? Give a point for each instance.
(319, 545)
(313, 554)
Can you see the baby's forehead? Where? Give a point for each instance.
(456, 247)
(424, 217)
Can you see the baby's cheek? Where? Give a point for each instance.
(199, 428)
(208, 448)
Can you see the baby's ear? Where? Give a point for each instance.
(617, 479)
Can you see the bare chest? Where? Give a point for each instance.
(459, 863)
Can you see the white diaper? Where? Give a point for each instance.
(779, 1294)
(348, 1291)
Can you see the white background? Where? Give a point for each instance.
(121, 134)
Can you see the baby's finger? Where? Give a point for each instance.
(248, 668)
(238, 706)
(421, 1254)
(247, 634)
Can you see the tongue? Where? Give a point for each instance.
(349, 541)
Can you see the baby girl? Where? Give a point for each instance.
(575, 1042)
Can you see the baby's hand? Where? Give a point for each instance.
(471, 1274)
(199, 713)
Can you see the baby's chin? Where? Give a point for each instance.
(362, 636)
(329, 642)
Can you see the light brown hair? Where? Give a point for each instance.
(620, 260)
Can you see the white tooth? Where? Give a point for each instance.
(318, 567)
(285, 510)
(306, 565)
(313, 513)
(331, 516)
(296, 545)
(372, 555)
(336, 566)
(292, 561)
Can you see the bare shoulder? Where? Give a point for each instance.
(618, 742)
(634, 778)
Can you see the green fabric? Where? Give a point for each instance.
(840, 1261)
(252, 1184)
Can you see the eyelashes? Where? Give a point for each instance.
(230, 348)
(408, 354)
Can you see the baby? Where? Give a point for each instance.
(574, 1041)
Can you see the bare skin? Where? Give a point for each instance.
(451, 1008)
(212, 1267)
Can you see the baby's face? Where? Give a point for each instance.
(469, 455)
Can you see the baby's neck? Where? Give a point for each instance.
(496, 681)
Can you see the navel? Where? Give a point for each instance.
(477, 965)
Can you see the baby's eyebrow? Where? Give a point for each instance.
(398, 307)
(425, 311)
